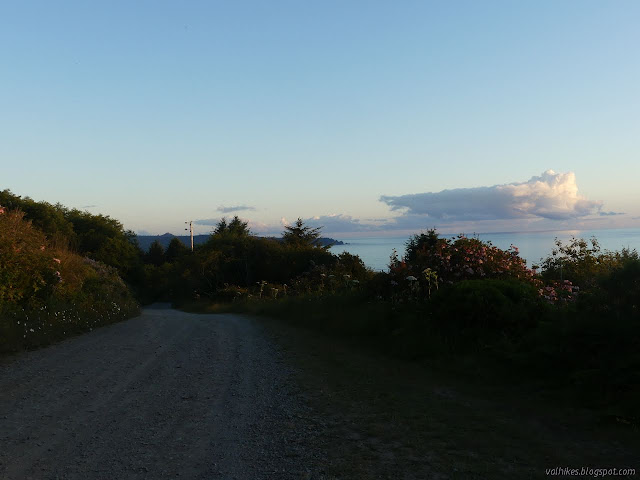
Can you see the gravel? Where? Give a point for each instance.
(164, 395)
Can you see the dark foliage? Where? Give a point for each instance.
(301, 235)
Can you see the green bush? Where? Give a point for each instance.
(583, 262)
(48, 293)
(27, 266)
(103, 298)
(487, 308)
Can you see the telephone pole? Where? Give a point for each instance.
(191, 232)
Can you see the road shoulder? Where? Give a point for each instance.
(385, 418)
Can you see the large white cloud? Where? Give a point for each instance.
(551, 196)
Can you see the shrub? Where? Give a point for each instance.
(47, 293)
(434, 261)
(27, 267)
(484, 309)
(583, 262)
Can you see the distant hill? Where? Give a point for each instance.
(145, 241)
(324, 241)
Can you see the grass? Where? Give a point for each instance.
(575, 361)
(389, 418)
(393, 414)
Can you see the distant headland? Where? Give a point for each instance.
(145, 241)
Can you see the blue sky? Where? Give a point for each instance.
(358, 113)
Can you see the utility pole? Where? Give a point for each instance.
(191, 232)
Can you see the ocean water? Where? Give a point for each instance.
(533, 246)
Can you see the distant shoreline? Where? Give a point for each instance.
(145, 241)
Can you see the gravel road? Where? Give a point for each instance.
(164, 395)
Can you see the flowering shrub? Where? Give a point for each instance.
(554, 291)
(431, 261)
(583, 262)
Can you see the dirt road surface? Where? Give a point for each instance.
(177, 395)
(164, 395)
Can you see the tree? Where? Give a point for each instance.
(238, 227)
(301, 235)
(221, 227)
(50, 219)
(103, 238)
(156, 256)
(235, 227)
(421, 243)
(175, 250)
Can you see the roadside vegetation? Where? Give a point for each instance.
(569, 327)
(60, 273)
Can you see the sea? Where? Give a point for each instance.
(533, 246)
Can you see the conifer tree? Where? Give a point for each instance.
(301, 235)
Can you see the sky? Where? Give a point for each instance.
(364, 117)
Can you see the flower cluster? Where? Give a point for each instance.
(462, 258)
(559, 291)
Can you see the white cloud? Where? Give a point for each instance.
(551, 196)
(238, 208)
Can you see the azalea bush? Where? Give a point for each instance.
(432, 262)
(461, 258)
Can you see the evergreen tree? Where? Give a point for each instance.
(155, 256)
(420, 243)
(301, 235)
(221, 227)
(238, 227)
(175, 250)
(235, 227)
